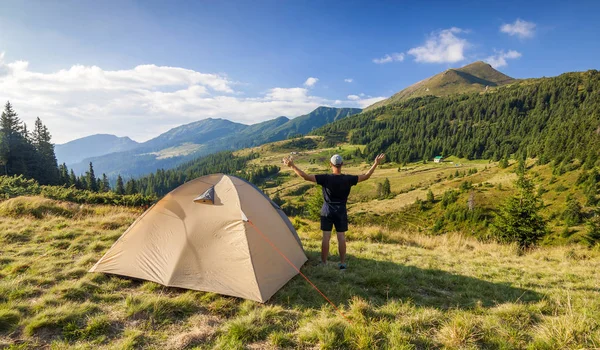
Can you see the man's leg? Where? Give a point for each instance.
(325, 246)
(342, 246)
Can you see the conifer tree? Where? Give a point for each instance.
(90, 179)
(385, 188)
(105, 183)
(130, 187)
(519, 219)
(64, 175)
(47, 172)
(73, 179)
(572, 214)
(430, 196)
(11, 130)
(120, 188)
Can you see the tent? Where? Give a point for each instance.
(212, 234)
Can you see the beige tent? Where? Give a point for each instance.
(207, 235)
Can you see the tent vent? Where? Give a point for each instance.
(208, 197)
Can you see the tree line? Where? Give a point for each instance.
(25, 152)
(31, 154)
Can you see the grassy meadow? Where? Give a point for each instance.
(403, 290)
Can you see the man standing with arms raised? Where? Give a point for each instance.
(336, 188)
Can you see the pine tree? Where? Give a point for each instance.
(130, 187)
(90, 179)
(11, 130)
(10, 122)
(519, 219)
(105, 183)
(73, 179)
(63, 176)
(572, 214)
(47, 172)
(386, 191)
(120, 188)
(593, 230)
(430, 196)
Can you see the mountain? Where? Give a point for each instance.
(551, 119)
(207, 136)
(166, 150)
(475, 77)
(92, 146)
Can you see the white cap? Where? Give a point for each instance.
(336, 159)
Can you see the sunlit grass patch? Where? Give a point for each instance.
(325, 331)
(58, 320)
(161, 309)
(37, 207)
(462, 331)
(254, 326)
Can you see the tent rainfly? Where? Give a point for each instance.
(204, 235)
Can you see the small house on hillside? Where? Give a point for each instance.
(438, 159)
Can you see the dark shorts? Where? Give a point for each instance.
(334, 216)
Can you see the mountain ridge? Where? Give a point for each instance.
(199, 138)
(92, 145)
(474, 77)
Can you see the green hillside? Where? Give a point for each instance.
(475, 77)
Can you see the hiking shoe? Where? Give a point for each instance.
(321, 264)
(342, 267)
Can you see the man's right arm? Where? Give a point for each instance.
(368, 174)
(289, 162)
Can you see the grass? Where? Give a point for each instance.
(403, 290)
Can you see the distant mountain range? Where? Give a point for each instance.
(92, 146)
(186, 142)
(475, 77)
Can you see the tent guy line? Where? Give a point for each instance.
(297, 269)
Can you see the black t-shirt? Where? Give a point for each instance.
(336, 188)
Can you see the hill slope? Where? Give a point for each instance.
(92, 146)
(475, 77)
(402, 290)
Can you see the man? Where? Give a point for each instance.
(336, 188)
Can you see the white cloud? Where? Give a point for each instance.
(520, 28)
(395, 57)
(348, 80)
(363, 100)
(310, 82)
(143, 101)
(364, 103)
(442, 47)
(499, 58)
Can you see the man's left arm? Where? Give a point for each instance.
(368, 174)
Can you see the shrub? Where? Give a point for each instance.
(449, 197)
(15, 186)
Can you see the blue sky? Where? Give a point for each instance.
(73, 63)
